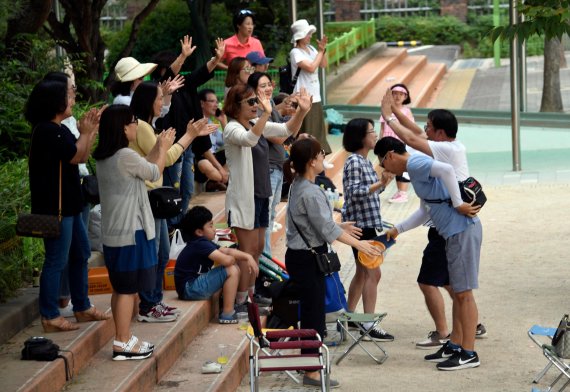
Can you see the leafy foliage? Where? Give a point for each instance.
(550, 18)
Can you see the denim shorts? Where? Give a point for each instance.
(205, 285)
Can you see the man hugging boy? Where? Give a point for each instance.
(194, 276)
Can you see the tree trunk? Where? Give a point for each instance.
(551, 96)
(27, 20)
(199, 16)
(563, 63)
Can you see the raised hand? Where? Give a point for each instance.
(220, 48)
(387, 102)
(200, 127)
(264, 102)
(186, 46)
(175, 84)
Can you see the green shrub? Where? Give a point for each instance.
(18, 256)
(431, 31)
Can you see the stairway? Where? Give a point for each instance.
(181, 346)
(368, 84)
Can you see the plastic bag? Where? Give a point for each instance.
(176, 245)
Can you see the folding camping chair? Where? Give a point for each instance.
(262, 358)
(358, 319)
(540, 335)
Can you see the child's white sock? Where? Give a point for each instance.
(241, 296)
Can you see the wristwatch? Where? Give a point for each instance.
(390, 119)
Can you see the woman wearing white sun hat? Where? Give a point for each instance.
(310, 59)
(129, 73)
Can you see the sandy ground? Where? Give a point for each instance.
(524, 280)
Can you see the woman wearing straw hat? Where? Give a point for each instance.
(130, 74)
(309, 59)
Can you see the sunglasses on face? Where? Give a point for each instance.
(251, 101)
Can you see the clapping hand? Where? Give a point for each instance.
(303, 99)
(322, 43)
(165, 139)
(186, 46)
(89, 123)
(200, 127)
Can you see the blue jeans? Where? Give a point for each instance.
(64, 285)
(71, 247)
(276, 178)
(182, 174)
(153, 297)
(205, 285)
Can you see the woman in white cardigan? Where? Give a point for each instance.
(247, 204)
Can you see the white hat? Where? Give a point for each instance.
(301, 29)
(129, 69)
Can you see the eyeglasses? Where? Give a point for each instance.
(211, 100)
(383, 159)
(251, 101)
(135, 120)
(249, 70)
(245, 12)
(323, 152)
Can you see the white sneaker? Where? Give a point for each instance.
(67, 311)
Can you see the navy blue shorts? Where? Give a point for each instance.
(261, 212)
(433, 271)
(132, 268)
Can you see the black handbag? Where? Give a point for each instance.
(165, 202)
(471, 192)
(327, 262)
(40, 225)
(90, 188)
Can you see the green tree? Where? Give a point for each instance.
(551, 19)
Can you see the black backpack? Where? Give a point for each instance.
(287, 82)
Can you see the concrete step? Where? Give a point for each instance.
(403, 72)
(170, 340)
(195, 336)
(353, 88)
(424, 84)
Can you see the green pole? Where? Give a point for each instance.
(497, 44)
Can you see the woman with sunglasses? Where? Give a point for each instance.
(242, 42)
(128, 228)
(249, 187)
(261, 81)
(309, 211)
(238, 72)
(146, 105)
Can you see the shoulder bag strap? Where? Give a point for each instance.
(297, 227)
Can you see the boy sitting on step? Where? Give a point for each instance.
(194, 276)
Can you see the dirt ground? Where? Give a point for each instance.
(524, 280)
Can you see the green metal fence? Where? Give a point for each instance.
(350, 37)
